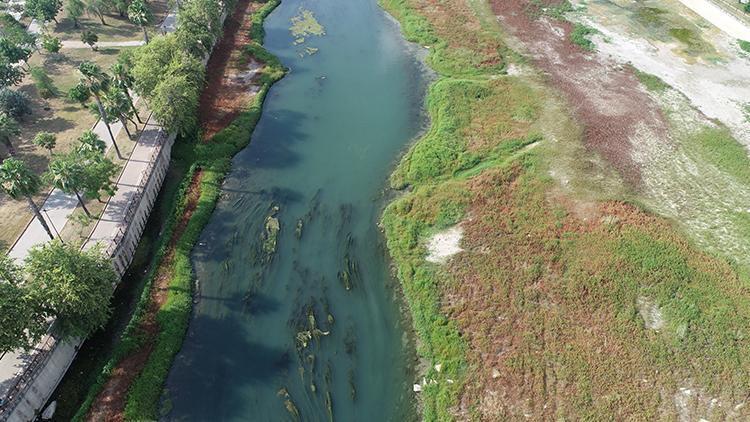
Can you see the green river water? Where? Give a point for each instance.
(330, 134)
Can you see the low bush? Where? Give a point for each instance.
(14, 103)
(580, 36)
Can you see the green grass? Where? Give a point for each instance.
(717, 146)
(580, 36)
(497, 110)
(213, 158)
(651, 82)
(587, 281)
(744, 45)
(472, 54)
(650, 16)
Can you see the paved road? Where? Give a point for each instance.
(719, 17)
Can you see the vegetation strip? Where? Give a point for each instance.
(564, 304)
(213, 160)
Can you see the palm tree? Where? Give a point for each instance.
(66, 173)
(117, 105)
(122, 79)
(97, 7)
(140, 14)
(18, 181)
(96, 82)
(8, 129)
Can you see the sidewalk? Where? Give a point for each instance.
(60, 205)
(114, 217)
(101, 44)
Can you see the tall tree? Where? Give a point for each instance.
(118, 108)
(8, 129)
(18, 181)
(97, 7)
(90, 142)
(75, 9)
(98, 176)
(66, 173)
(95, 82)
(44, 10)
(140, 14)
(174, 104)
(123, 80)
(9, 74)
(150, 61)
(14, 53)
(72, 285)
(22, 323)
(99, 171)
(16, 32)
(45, 140)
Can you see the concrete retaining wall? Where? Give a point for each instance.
(50, 360)
(125, 247)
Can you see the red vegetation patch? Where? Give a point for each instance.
(230, 77)
(110, 403)
(607, 99)
(546, 302)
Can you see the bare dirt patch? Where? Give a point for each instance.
(230, 77)
(444, 245)
(606, 98)
(110, 402)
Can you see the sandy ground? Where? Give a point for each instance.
(674, 182)
(718, 90)
(444, 245)
(718, 17)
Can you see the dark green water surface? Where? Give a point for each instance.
(330, 133)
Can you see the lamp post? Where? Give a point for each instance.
(53, 225)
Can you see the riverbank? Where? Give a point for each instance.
(131, 383)
(538, 285)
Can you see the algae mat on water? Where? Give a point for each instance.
(296, 313)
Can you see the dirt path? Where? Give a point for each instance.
(230, 76)
(229, 87)
(607, 98)
(110, 402)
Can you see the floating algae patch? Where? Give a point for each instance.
(289, 404)
(271, 233)
(350, 270)
(304, 25)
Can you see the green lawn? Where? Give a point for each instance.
(57, 115)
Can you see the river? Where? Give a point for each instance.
(311, 326)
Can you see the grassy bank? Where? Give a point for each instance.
(561, 305)
(212, 159)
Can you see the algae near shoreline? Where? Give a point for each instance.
(213, 162)
(315, 331)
